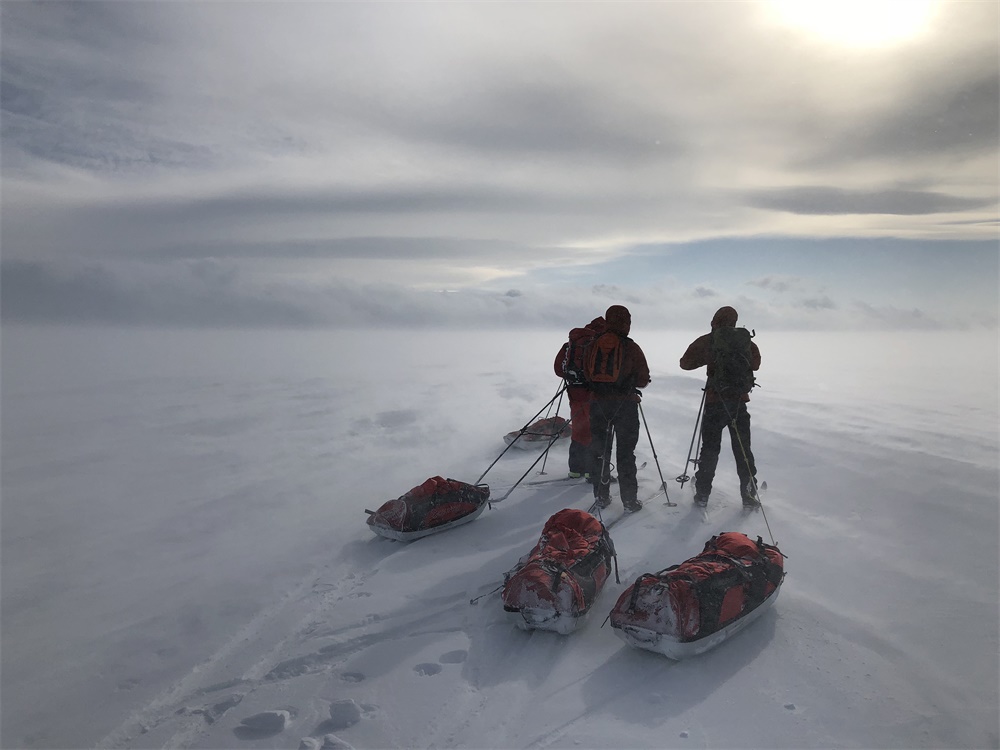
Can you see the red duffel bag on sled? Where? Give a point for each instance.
(540, 434)
(692, 607)
(433, 506)
(554, 585)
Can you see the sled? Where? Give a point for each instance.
(432, 507)
(539, 434)
(554, 586)
(690, 608)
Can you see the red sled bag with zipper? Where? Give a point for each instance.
(692, 607)
(555, 585)
(539, 434)
(436, 505)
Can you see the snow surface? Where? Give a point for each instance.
(185, 559)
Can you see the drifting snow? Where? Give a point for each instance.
(186, 561)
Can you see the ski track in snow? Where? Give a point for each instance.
(473, 658)
(341, 654)
(334, 650)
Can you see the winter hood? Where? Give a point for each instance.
(619, 319)
(725, 317)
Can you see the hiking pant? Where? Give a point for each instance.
(581, 458)
(714, 420)
(623, 415)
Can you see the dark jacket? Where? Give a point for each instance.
(635, 371)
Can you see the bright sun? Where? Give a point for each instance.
(857, 23)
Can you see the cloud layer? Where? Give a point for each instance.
(215, 293)
(475, 146)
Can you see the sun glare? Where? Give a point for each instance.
(857, 23)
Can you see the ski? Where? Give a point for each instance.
(558, 480)
(748, 509)
(707, 510)
(640, 467)
(576, 480)
(627, 514)
(662, 490)
(592, 510)
(619, 515)
(712, 507)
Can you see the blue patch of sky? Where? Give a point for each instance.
(887, 271)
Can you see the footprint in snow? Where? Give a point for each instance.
(263, 725)
(329, 742)
(454, 657)
(344, 714)
(215, 711)
(396, 418)
(352, 677)
(427, 669)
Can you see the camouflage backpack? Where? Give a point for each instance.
(732, 353)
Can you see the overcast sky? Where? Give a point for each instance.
(814, 164)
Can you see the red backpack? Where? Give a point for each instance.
(603, 366)
(575, 361)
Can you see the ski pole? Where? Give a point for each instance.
(663, 482)
(694, 436)
(746, 459)
(559, 392)
(520, 433)
(609, 437)
(552, 442)
(483, 596)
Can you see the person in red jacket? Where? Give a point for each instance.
(720, 413)
(581, 457)
(614, 416)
